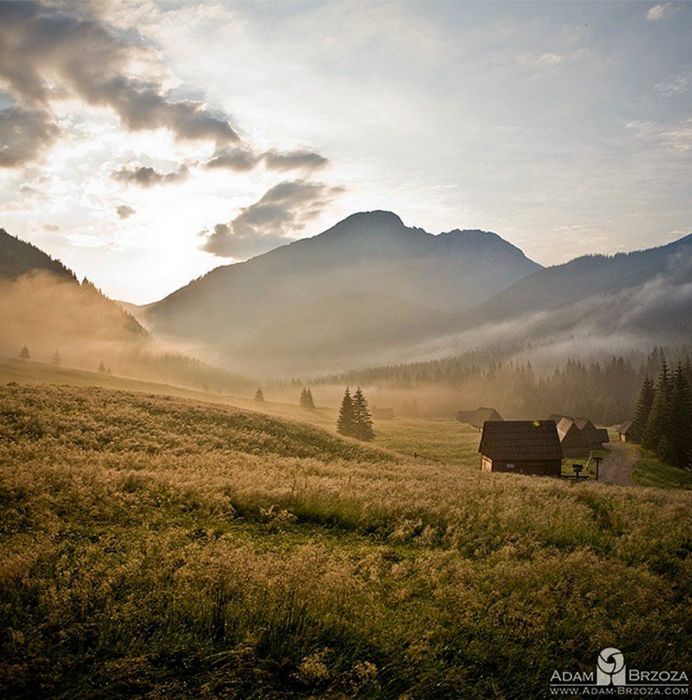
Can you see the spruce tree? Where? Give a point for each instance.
(641, 414)
(306, 398)
(655, 437)
(679, 449)
(345, 424)
(102, 368)
(362, 418)
(56, 359)
(24, 353)
(259, 396)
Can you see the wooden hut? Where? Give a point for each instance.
(521, 446)
(593, 435)
(574, 442)
(625, 432)
(478, 417)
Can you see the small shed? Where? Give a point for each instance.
(382, 413)
(478, 417)
(521, 446)
(625, 432)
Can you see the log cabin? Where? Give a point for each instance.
(522, 447)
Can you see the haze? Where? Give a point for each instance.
(563, 127)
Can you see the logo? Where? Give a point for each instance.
(610, 667)
(613, 677)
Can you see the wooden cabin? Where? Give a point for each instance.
(574, 441)
(579, 435)
(625, 432)
(522, 447)
(382, 413)
(478, 417)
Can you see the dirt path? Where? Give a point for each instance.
(617, 466)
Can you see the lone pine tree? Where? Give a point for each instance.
(362, 418)
(306, 400)
(345, 424)
(259, 396)
(24, 353)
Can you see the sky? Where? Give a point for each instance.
(146, 142)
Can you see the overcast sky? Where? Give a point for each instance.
(144, 143)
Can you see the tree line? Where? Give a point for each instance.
(663, 417)
(605, 391)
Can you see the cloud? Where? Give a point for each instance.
(658, 12)
(145, 176)
(290, 160)
(234, 158)
(677, 85)
(124, 211)
(273, 220)
(51, 228)
(47, 53)
(24, 134)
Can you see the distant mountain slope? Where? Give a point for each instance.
(591, 276)
(595, 304)
(406, 281)
(44, 307)
(18, 257)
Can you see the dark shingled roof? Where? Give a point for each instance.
(520, 440)
(479, 416)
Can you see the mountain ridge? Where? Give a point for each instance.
(232, 308)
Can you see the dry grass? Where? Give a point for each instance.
(165, 547)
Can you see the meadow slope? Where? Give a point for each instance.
(160, 546)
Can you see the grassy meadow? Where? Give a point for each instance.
(162, 546)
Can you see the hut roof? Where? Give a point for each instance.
(625, 427)
(584, 424)
(520, 440)
(479, 416)
(566, 424)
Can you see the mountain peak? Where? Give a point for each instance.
(378, 221)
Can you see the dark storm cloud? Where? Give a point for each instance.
(124, 211)
(24, 134)
(294, 160)
(46, 53)
(273, 220)
(145, 176)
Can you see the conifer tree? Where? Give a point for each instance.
(345, 424)
(655, 435)
(306, 400)
(24, 353)
(259, 396)
(362, 418)
(102, 368)
(56, 359)
(641, 415)
(679, 445)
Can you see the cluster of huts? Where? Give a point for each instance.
(531, 446)
(578, 435)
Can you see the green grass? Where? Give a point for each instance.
(651, 471)
(432, 440)
(162, 546)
